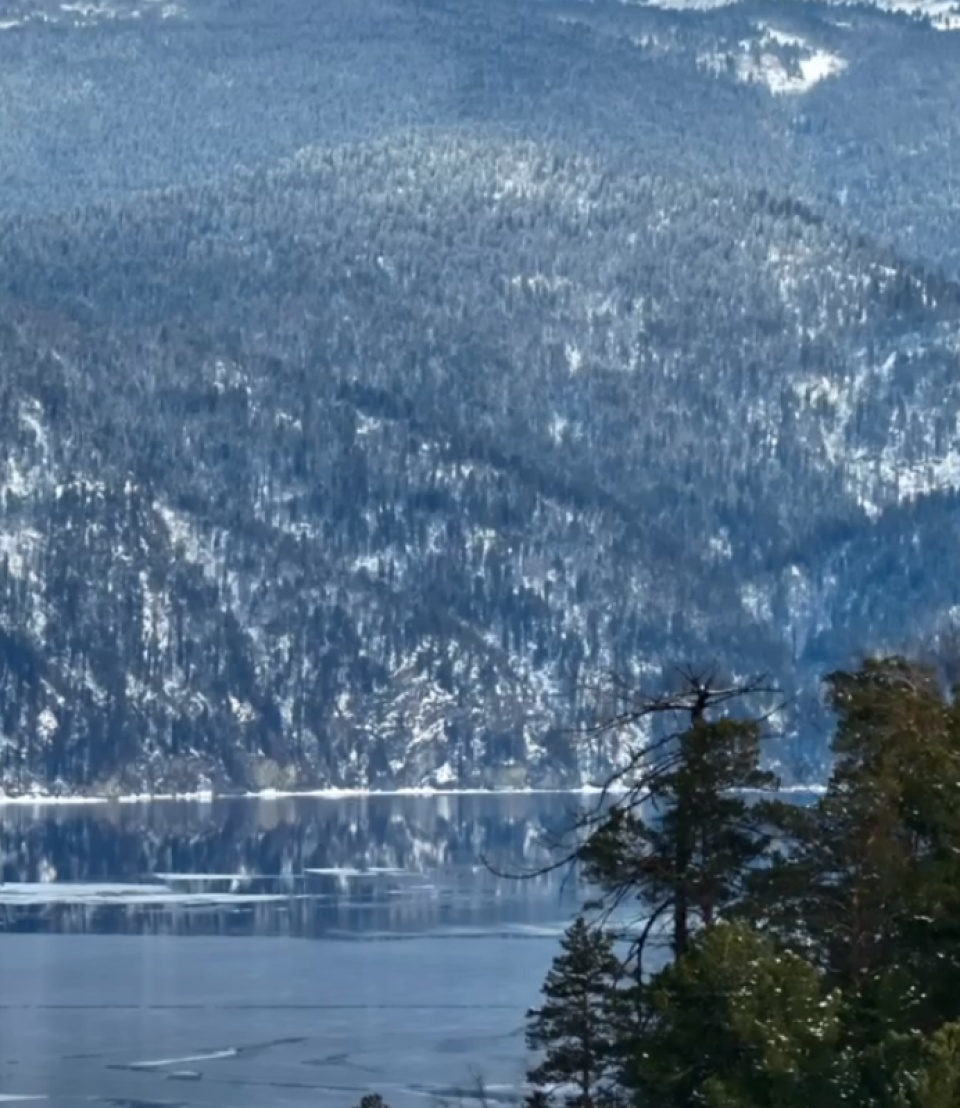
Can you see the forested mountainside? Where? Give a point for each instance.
(376, 375)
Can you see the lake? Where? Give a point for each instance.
(270, 953)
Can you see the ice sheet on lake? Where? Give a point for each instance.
(165, 1063)
(29, 893)
(78, 888)
(198, 878)
(353, 871)
(78, 1009)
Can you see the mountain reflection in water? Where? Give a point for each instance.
(307, 867)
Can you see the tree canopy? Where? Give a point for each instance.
(812, 952)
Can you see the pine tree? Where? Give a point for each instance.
(869, 882)
(684, 841)
(736, 1023)
(934, 1080)
(372, 1100)
(575, 1026)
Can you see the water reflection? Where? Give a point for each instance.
(307, 867)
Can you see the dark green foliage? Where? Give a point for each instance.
(736, 1023)
(575, 1026)
(934, 1079)
(372, 1100)
(873, 869)
(685, 836)
(830, 973)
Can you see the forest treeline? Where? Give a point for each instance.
(740, 950)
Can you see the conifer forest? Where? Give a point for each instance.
(375, 375)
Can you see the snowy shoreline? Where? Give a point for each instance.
(209, 797)
(39, 800)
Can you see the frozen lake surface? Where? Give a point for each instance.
(290, 952)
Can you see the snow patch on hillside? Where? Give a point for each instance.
(47, 723)
(84, 13)
(896, 471)
(21, 548)
(25, 475)
(186, 537)
(243, 711)
(785, 63)
(942, 15)
(870, 476)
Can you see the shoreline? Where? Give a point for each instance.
(206, 796)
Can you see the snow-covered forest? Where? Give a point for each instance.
(376, 375)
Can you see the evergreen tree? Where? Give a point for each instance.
(683, 840)
(933, 1082)
(736, 1023)
(816, 952)
(574, 1027)
(372, 1100)
(869, 880)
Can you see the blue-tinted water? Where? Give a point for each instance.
(272, 953)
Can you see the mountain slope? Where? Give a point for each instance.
(353, 471)
(374, 376)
